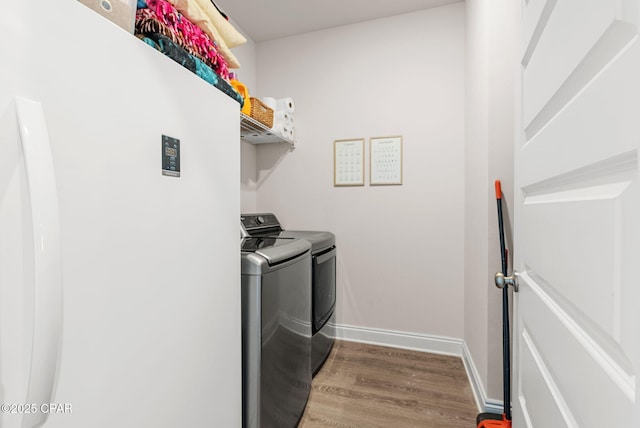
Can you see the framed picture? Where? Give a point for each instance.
(348, 162)
(385, 156)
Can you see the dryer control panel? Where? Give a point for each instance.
(260, 223)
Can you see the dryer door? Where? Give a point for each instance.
(324, 287)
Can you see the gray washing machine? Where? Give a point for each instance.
(276, 331)
(323, 259)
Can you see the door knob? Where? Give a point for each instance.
(505, 281)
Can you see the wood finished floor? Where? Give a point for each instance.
(367, 386)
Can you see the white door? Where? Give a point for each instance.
(577, 221)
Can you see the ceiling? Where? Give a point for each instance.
(264, 20)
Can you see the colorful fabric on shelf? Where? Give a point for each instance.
(180, 55)
(161, 17)
(194, 11)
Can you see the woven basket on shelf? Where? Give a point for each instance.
(261, 112)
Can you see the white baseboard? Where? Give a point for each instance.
(424, 343)
(399, 339)
(484, 404)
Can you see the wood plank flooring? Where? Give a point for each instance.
(368, 386)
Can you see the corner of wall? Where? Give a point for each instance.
(477, 385)
(489, 156)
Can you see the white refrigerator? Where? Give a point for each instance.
(119, 285)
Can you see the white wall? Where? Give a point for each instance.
(401, 248)
(491, 64)
(246, 55)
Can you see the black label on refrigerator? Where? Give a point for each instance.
(170, 156)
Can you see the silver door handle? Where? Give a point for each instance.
(505, 281)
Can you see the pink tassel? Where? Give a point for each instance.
(193, 36)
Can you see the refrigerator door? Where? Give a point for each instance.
(150, 333)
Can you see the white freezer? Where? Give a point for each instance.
(144, 328)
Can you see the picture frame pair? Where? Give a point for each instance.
(385, 162)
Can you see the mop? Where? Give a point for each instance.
(492, 420)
